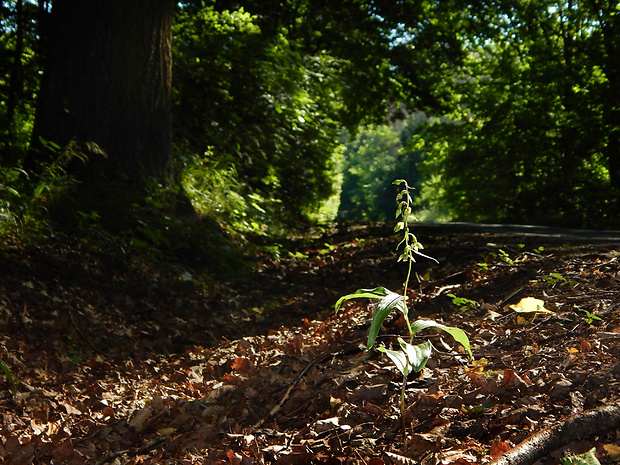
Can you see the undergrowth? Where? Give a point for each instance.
(158, 224)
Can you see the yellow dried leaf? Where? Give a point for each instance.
(166, 431)
(572, 350)
(478, 365)
(530, 305)
(613, 450)
(523, 321)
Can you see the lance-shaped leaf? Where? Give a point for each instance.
(398, 358)
(383, 310)
(417, 355)
(376, 293)
(410, 357)
(457, 334)
(389, 300)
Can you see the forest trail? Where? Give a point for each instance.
(125, 361)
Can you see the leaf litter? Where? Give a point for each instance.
(132, 365)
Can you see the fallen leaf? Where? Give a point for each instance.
(376, 461)
(613, 450)
(139, 418)
(166, 431)
(499, 448)
(530, 305)
(327, 424)
(65, 453)
(584, 345)
(588, 458)
(70, 409)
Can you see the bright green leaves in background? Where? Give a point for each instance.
(250, 102)
(533, 134)
(524, 125)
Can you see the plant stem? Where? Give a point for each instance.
(402, 410)
(405, 215)
(409, 266)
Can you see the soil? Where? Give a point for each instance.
(112, 357)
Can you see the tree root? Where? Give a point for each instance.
(593, 422)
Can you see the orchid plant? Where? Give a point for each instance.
(407, 357)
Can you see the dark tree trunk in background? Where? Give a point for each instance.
(16, 80)
(107, 85)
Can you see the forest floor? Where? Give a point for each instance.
(121, 360)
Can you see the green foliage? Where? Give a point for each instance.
(20, 62)
(10, 197)
(557, 278)
(587, 458)
(377, 153)
(462, 303)
(521, 103)
(248, 95)
(9, 376)
(217, 193)
(504, 256)
(409, 357)
(531, 136)
(26, 199)
(268, 86)
(589, 318)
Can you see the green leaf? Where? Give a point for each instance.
(588, 458)
(399, 358)
(9, 376)
(457, 334)
(417, 355)
(410, 357)
(376, 293)
(383, 310)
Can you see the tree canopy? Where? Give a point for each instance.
(533, 135)
(521, 105)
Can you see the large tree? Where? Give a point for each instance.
(106, 90)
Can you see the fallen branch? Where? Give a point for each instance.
(590, 423)
(132, 452)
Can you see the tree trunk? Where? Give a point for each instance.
(107, 89)
(16, 79)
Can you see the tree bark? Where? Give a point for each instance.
(16, 79)
(107, 88)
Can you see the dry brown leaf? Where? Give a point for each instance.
(498, 448)
(139, 419)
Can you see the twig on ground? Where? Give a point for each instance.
(92, 346)
(354, 345)
(147, 448)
